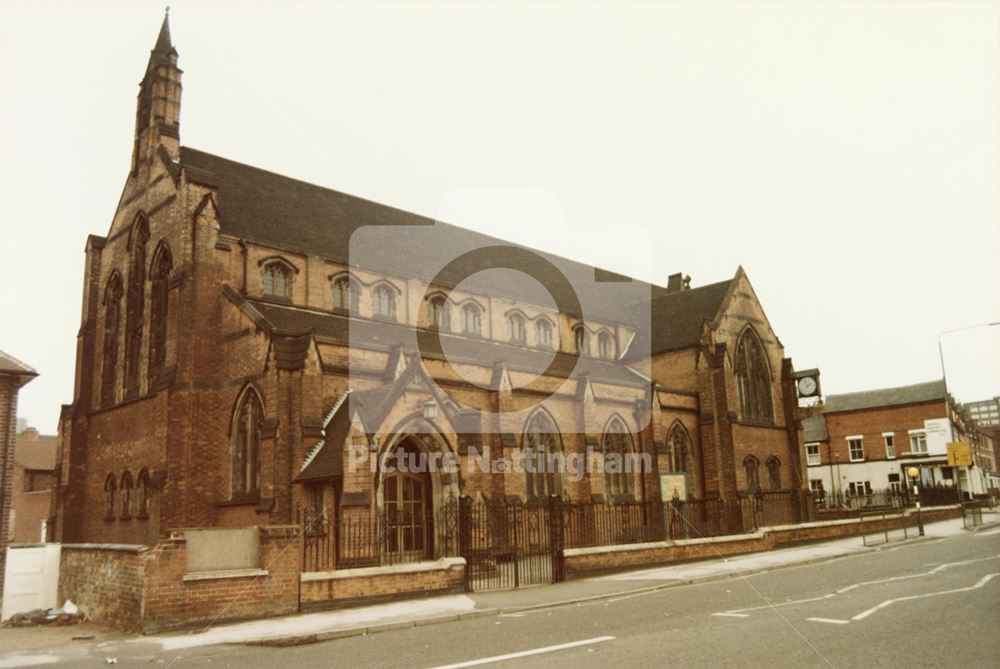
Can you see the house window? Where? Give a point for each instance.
(438, 314)
(542, 457)
(37, 481)
(890, 446)
(158, 303)
(774, 473)
(606, 345)
(135, 303)
(515, 326)
(246, 446)
(109, 497)
(895, 484)
(753, 379)
(112, 330)
(277, 280)
(617, 463)
(384, 302)
(816, 487)
(812, 454)
(543, 332)
(581, 341)
(751, 468)
(679, 445)
(918, 443)
(472, 320)
(143, 494)
(126, 496)
(345, 294)
(859, 488)
(856, 449)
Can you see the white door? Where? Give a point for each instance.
(31, 580)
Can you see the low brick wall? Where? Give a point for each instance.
(580, 562)
(351, 587)
(140, 588)
(105, 581)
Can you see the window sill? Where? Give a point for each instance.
(856, 460)
(243, 500)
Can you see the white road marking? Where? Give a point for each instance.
(17, 660)
(525, 653)
(732, 615)
(832, 621)
(987, 534)
(889, 602)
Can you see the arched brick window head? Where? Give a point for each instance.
(135, 303)
(516, 328)
(126, 495)
(109, 497)
(438, 314)
(753, 379)
(679, 445)
(472, 320)
(112, 333)
(751, 467)
(143, 494)
(345, 294)
(618, 474)
(158, 302)
(384, 302)
(543, 457)
(773, 473)
(581, 341)
(606, 345)
(247, 425)
(543, 333)
(277, 280)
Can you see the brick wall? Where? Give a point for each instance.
(352, 587)
(105, 581)
(8, 426)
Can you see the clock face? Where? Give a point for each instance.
(807, 386)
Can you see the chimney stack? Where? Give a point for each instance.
(678, 282)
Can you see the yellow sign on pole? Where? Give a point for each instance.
(959, 454)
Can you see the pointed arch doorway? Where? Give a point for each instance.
(406, 504)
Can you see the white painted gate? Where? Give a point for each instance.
(31, 580)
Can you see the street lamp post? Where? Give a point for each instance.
(913, 473)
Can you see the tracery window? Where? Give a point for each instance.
(384, 302)
(543, 333)
(619, 479)
(277, 280)
(135, 302)
(472, 320)
(543, 457)
(112, 332)
(158, 304)
(606, 345)
(679, 446)
(126, 489)
(438, 313)
(247, 425)
(345, 294)
(516, 328)
(751, 467)
(753, 379)
(773, 473)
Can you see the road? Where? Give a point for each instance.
(926, 604)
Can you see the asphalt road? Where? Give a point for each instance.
(929, 604)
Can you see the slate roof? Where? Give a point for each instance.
(300, 217)
(11, 365)
(814, 429)
(870, 399)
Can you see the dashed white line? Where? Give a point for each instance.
(832, 621)
(732, 615)
(889, 602)
(526, 653)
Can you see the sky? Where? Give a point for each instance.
(846, 154)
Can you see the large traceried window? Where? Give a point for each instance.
(678, 448)
(135, 303)
(158, 305)
(543, 333)
(516, 328)
(276, 280)
(472, 319)
(753, 379)
(247, 424)
(543, 457)
(112, 334)
(439, 314)
(384, 302)
(619, 477)
(345, 294)
(751, 468)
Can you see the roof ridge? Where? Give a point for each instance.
(887, 388)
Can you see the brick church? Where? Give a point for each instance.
(236, 363)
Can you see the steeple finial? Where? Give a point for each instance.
(163, 43)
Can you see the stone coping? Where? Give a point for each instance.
(224, 573)
(385, 570)
(124, 548)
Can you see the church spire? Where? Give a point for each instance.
(158, 109)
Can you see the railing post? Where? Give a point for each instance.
(556, 537)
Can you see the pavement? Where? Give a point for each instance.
(34, 646)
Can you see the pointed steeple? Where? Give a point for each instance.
(158, 109)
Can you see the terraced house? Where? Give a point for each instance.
(239, 365)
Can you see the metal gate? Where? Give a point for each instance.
(511, 545)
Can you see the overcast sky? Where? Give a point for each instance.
(846, 154)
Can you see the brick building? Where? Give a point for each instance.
(35, 457)
(236, 365)
(13, 375)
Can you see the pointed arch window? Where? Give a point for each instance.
(751, 469)
(112, 333)
(543, 333)
(606, 345)
(516, 328)
(276, 280)
(753, 379)
(126, 490)
(142, 491)
(773, 465)
(345, 294)
(109, 497)
(135, 302)
(247, 424)
(472, 320)
(581, 340)
(438, 313)
(679, 447)
(619, 479)
(384, 302)
(158, 305)
(543, 462)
